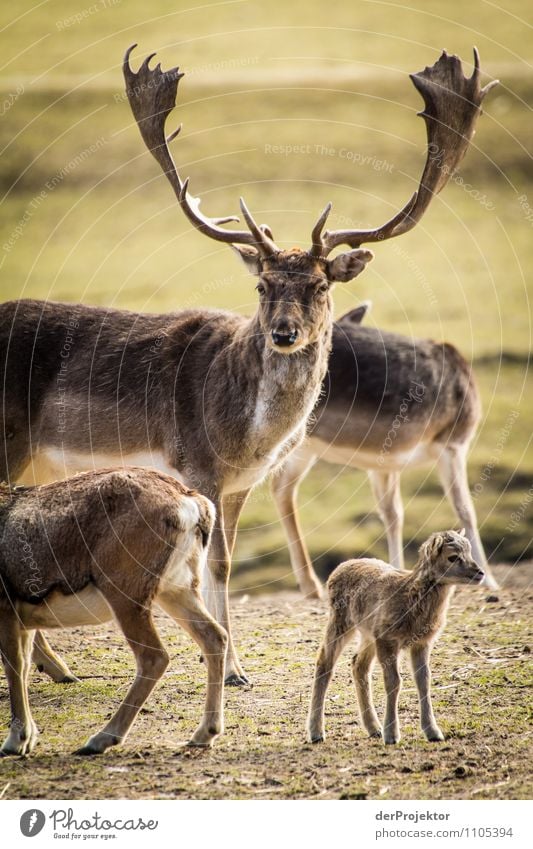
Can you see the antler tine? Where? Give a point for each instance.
(452, 105)
(261, 237)
(152, 97)
(317, 245)
(485, 90)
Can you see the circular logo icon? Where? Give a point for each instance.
(32, 822)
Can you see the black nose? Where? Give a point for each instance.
(284, 338)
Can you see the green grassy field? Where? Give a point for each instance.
(86, 216)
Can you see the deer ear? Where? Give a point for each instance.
(250, 257)
(356, 315)
(462, 532)
(347, 266)
(438, 545)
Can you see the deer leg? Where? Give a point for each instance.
(420, 663)
(233, 505)
(332, 645)
(217, 595)
(388, 658)
(284, 487)
(188, 610)
(386, 488)
(362, 664)
(15, 645)
(454, 477)
(46, 660)
(152, 660)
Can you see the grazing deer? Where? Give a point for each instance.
(101, 545)
(217, 399)
(390, 610)
(389, 403)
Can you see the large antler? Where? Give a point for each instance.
(152, 97)
(452, 107)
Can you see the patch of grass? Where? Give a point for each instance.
(260, 83)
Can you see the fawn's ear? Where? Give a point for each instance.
(437, 545)
(462, 532)
(347, 266)
(250, 257)
(431, 549)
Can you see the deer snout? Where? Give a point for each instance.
(285, 334)
(475, 574)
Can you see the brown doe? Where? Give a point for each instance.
(104, 545)
(390, 610)
(214, 398)
(389, 403)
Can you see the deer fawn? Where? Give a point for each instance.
(216, 399)
(390, 610)
(389, 403)
(102, 545)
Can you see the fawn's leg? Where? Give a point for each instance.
(330, 650)
(46, 660)
(420, 663)
(362, 664)
(188, 610)
(16, 645)
(386, 488)
(152, 660)
(388, 658)
(284, 486)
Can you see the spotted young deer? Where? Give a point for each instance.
(390, 610)
(103, 545)
(214, 398)
(389, 403)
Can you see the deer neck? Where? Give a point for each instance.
(428, 601)
(287, 386)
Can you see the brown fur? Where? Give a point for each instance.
(210, 392)
(104, 544)
(390, 610)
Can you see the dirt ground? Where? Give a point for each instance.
(482, 695)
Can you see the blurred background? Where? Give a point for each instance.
(292, 105)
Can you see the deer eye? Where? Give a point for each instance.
(322, 289)
(453, 558)
(260, 288)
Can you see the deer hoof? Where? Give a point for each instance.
(235, 680)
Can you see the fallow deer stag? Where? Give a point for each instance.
(217, 399)
(389, 403)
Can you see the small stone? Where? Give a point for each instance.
(492, 599)
(461, 771)
(526, 650)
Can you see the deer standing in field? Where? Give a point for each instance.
(104, 545)
(389, 403)
(214, 398)
(390, 610)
